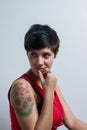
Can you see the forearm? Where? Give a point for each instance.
(70, 121)
(46, 116)
(79, 125)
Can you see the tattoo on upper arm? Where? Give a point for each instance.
(21, 99)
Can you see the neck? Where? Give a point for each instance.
(34, 77)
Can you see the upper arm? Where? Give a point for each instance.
(69, 116)
(23, 101)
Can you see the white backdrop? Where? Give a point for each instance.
(69, 19)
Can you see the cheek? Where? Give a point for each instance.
(50, 62)
(31, 61)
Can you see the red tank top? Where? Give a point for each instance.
(58, 112)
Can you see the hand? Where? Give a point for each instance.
(49, 82)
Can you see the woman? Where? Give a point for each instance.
(35, 100)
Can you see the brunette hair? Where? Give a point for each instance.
(41, 36)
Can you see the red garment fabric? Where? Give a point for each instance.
(58, 112)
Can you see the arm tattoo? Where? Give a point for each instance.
(21, 99)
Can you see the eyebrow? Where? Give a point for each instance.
(31, 50)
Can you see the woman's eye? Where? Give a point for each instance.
(47, 55)
(33, 54)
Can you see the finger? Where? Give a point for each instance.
(41, 76)
(48, 71)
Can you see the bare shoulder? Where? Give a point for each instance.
(24, 103)
(22, 97)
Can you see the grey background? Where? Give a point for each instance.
(69, 19)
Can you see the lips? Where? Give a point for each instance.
(42, 70)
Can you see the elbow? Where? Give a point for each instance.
(70, 123)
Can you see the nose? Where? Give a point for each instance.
(39, 61)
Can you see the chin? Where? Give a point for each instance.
(35, 72)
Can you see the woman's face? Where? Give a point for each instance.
(41, 59)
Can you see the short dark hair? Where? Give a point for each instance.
(41, 36)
